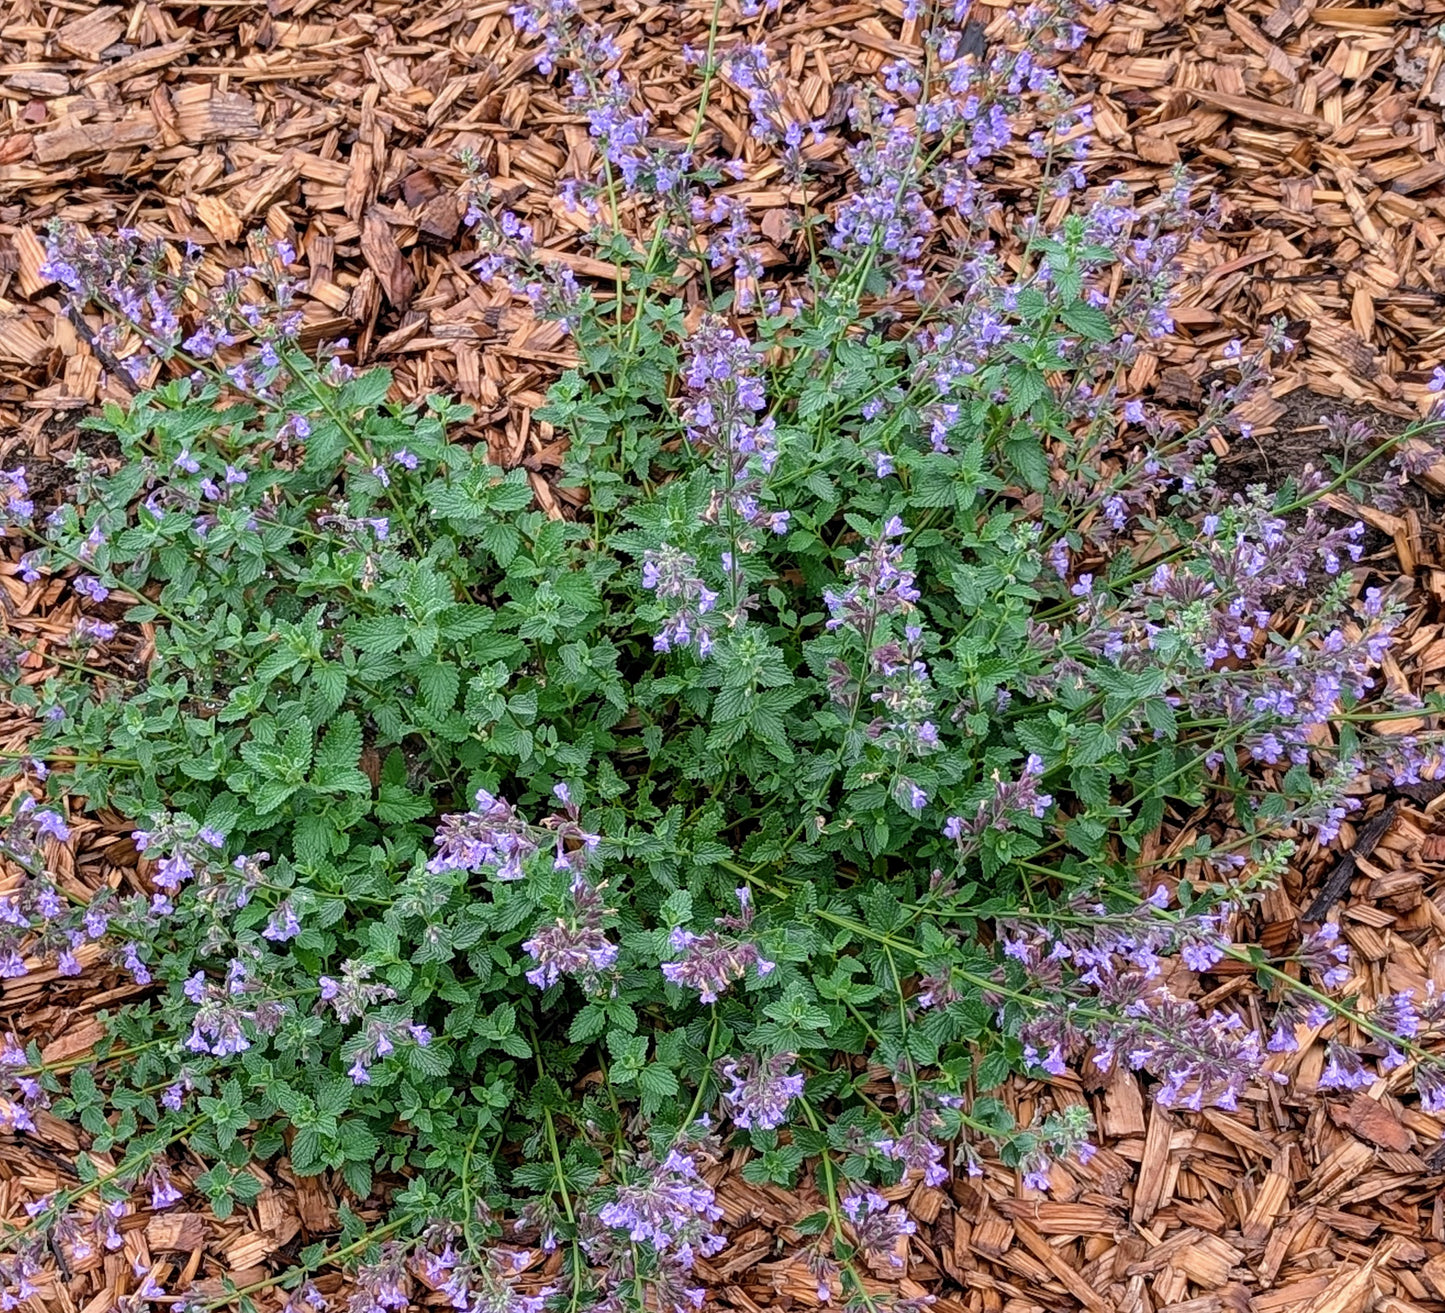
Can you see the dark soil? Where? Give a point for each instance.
(1300, 437)
(45, 457)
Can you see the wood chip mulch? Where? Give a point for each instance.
(337, 123)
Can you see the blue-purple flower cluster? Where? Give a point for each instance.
(575, 944)
(665, 1206)
(713, 961)
(760, 1090)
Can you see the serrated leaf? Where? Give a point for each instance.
(439, 683)
(340, 746)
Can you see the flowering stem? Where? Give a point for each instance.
(835, 1216)
(303, 1269)
(62, 1200)
(1252, 955)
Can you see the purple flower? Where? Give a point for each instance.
(1322, 952)
(351, 996)
(50, 825)
(283, 923)
(878, 1227)
(1010, 799)
(1398, 1014)
(492, 834)
(1430, 1082)
(574, 945)
(672, 575)
(667, 1204)
(879, 585)
(724, 394)
(1202, 954)
(711, 962)
(761, 1090)
(916, 1145)
(89, 630)
(163, 1190)
(1343, 1070)
(130, 959)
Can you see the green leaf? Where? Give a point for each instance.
(341, 745)
(439, 683)
(378, 635)
(1089, 322)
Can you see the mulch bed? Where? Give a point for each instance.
(337, 125)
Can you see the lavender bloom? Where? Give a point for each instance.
(351, 996)
(1293, 1012)
(89, 631)
(1430, 1081)
(711, 962)
(905, 693)
(1035, 1169)
(1323, 954)
(185, 851)
(749, 69)
(733, 243)
(887, 214)
(575, 846)
(576, 945)
(1112, 962)
(667, 1204)
(672, 575)
(1398, 1014)
(761, 1090)
(724, 394)
(130, 959)
(916, 1145)
(880, 585)
(1020, 797)
(163, 1190)
(31, 824)
(472, 1286)
(491, 834)
(228, 1012)
(377, 1041)
(15, 493)
(1343, 1070)
(878, 1227)
(383, 1284)
(283, 923)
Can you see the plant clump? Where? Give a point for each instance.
(514, 866)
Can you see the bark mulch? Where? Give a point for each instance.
(337, 124)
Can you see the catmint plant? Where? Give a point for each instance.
(515, 869)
